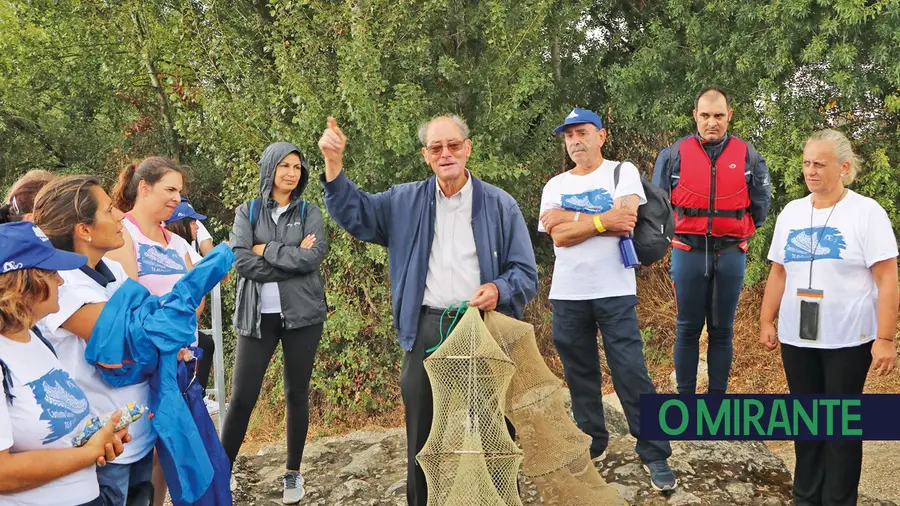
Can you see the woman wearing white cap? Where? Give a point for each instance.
(42, 407)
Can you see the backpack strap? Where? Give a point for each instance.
(255, 208)
(44, 340)
(7, 376)
(670, 164)
(7, 382)
(303, 216)
(616, 172)
(753, 160)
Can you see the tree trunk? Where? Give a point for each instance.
(556, 62)
(173, 143)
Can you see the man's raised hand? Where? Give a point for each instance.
(332, 145)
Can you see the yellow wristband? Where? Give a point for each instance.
(599, 224)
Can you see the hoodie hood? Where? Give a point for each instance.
(267, 163)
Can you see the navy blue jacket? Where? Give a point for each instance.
(758, 186)
(402, 219)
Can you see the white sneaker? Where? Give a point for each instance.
(212, 407)
(293, 487)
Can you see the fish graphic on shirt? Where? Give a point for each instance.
(828, 242)
(157, 260)
(62, 402)
(591, 202)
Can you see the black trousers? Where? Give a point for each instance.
(827, 472)
(419, 402)
(251, 360)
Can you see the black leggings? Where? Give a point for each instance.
(252, 358)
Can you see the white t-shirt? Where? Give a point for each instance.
(202, 233)
(858, 235)
(48, 410)
(78, 290)
(269, 295)
(592, 269)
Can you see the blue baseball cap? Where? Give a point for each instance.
(24, 246)
(185, 211)
(579, 116)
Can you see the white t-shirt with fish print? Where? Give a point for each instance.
(592, 269)
(857, 235)
(48, 410)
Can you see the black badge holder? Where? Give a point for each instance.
(809, 312)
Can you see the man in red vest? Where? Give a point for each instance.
(720, 192)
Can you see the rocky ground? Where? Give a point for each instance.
(367, 468)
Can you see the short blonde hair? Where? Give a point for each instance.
(842, 149)
(19, 291)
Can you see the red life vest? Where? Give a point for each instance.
(713, 199)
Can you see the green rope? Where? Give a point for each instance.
(460, 309)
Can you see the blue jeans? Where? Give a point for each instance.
(575, 324)
(116, 479)
(707, 288)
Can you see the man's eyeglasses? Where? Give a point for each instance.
(455, 147)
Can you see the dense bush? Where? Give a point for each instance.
(84, 86)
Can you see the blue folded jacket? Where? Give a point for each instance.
(137, 338)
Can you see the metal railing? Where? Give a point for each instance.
(219, 355)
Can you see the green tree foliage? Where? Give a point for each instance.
(87, 84)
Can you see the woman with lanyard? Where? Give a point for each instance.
(42, 408)
(279, 243)
(833, 288)
(148, 194)
(78, 216)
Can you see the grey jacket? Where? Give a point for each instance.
(295, 269)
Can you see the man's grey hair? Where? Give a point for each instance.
(463, 127)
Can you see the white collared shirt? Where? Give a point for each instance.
(453, 270)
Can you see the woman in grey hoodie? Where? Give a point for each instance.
(279, 242)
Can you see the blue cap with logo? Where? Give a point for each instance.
(185, 211)
(579, 116)
(24, 246)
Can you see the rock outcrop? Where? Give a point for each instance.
(368, 468)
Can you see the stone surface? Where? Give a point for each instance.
(368, 468)
(702, 375)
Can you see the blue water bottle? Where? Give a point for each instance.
(629, 254)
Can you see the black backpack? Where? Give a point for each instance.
(655, 227)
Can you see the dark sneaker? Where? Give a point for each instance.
(662, 477)
(293, 487)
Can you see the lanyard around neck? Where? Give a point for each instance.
(818, 238)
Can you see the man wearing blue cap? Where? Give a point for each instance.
(586, 212)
